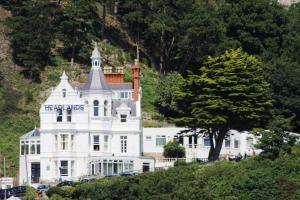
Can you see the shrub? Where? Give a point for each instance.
(174, 150)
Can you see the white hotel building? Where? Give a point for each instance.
(96, 129)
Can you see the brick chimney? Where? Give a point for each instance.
(136, 80)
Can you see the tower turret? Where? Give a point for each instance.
(96, 58)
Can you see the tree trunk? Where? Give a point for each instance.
(215, 153)
(72, 56)
(212, 146)
(103, 17)
(115, 9)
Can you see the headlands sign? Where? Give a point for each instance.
(64, 107)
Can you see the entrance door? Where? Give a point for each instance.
(35, 172)
(146, 167)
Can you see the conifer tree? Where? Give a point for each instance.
(229, 92)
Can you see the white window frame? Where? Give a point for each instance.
(123, 144)
(204, 143)
(226, 143)
(105, 142)
(95, 143)
(236, 144)
(159, 139)
(123, 118)
(59, 115)
(69, 115)
(64, 142)
(64, 168)
(64, 93)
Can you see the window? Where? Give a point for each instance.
(56, 142)
(123, 144)
(38, 147)
(22, 148)
(105, 108)
(59, 115)
(105, 142)
(148, 137)
(26, 148)
(96, 108)
(236, 144)
(180, 141)
(32, 147)
(160, 140)
(146, 167)
(72, 167)
(124, 95)
(64, 93)
(123, 118)
(64, 142)
(227, 143)
(69, 115)
(72, 142)
(250, 142)
(206, 142)
(96, 145)
(64, 168)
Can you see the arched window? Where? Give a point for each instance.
(105, 108)
(64, 93)
(96, 108)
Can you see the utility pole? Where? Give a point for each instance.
(4, 173)
(4, 170)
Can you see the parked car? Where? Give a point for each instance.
(87, 180)
(43, 188)
(65, 183)
(128, 174)
(111, 175)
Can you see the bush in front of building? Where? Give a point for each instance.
(173, 150)
(251, 179)
(66, 191)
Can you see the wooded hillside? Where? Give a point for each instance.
(39, 39)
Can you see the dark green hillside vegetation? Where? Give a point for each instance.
(40, 39)
(253, 179)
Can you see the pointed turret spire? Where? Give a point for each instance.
(96, 79)
(64, 76)
(96, 58)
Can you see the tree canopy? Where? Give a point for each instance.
(229, 92)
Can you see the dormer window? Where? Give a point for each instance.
(123, 118)
(96, 108)
(64, 93)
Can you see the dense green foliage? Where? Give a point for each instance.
(253, 179)
(173, 150)
(229, 92)
(277, 139)
(172, 36)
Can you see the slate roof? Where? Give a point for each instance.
(96, 81)
(32, 134)
(121, 86)
(117, 102)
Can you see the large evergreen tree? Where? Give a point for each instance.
(33, 35)
(229, 92)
